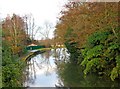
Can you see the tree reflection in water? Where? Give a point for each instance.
(46, 62)
(47, 56)
(55, 65)
(72, 76)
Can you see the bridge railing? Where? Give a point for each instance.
(34, 47)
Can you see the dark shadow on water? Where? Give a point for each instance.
(72, 76)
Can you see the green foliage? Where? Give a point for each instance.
(12, 68)
(90, 64)
(101, 54)
(72, 76)
(97, 38)
(114, 73)
(72, 46)
(116, 70)
(73, 50)
(94, 52)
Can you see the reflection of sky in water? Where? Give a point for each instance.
(45, 81)
(42, 70)
(45, 72)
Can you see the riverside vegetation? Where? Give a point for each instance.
(91, 33)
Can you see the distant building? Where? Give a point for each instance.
(32, 44)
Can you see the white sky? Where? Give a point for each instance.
(42, 10)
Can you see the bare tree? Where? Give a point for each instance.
(33, 30)
(30, 26)
(45, 32)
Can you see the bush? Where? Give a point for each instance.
(101, 55)
(12, 68)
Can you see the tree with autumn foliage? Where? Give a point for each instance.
(14, 33)
(13, 42)
(91, 34)
(86, 18)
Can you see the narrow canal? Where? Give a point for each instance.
(52, 69)
(42, 69)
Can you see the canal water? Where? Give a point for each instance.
(52, 69)
(42, 69)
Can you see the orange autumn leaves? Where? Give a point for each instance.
(14, 32)
(85, 19)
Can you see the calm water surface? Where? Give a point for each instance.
(52, 69)
(42, 69)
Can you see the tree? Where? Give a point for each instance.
(101, 54)
(45, 33)
(12, 67)
(31, 28)
(92, 28)
(85, 19)
(45, 30)
(14, 32)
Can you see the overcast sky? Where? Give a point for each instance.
(42, 10)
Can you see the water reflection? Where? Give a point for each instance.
(72, 76)
(53, 69)
(41, 69)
